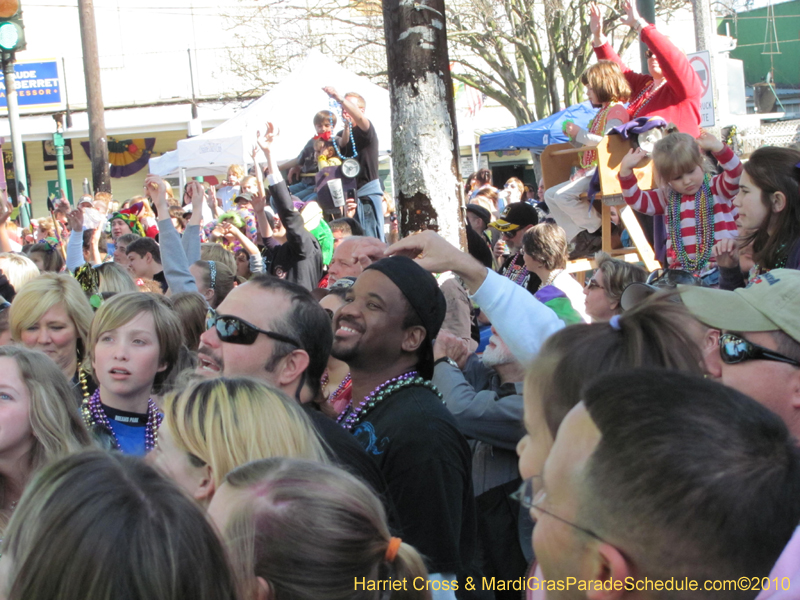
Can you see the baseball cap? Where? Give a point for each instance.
(768, 303)
(514, 216)
(246, 196)
(480, 212)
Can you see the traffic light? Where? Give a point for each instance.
(12, 32)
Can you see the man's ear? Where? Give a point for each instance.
(608, 571)
(413, 338)
(292, 367)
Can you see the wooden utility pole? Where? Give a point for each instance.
(94, 98)
(424, 134)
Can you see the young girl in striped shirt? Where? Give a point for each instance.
(698, 208)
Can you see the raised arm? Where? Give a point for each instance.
(173, 258)
(520, 319)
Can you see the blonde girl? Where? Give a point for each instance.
(697, 207)
(214, 426)
(38, 420)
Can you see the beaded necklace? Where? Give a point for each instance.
(93, 414)
(550, 279)
(353, 416)
(352, 141)
(704, 227)
(637, 104)
(597, 126)
(520, 275)
(84, 385)
(341, 391)
(756, 269)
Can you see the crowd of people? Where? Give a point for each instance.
(246, 393)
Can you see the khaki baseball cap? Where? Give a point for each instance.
(770, 302)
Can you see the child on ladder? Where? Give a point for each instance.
(699, 208)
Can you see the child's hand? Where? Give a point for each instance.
(706, 141)
(727, 253)
(630, 160)
(571, 130)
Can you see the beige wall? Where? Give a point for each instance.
(122, 188)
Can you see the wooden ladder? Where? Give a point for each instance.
(558, 161)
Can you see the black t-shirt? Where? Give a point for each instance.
(349, 455)
(306, 160)
(367, 146)
(300, 258)
(427, 465)
(513, 267)
(162, 279)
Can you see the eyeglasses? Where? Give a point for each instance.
(531, 495)
(734, 350)
(510, 234)
(592, 283)
(238, 331)
(649, 54)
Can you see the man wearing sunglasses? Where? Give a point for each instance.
(668, 478)
(274, 330)
(759, 345)
(514, 221)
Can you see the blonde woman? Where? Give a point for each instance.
(37, 419)
(104, 526)
(18, 268)
(51, 314)
(301, 530)
(214, 426)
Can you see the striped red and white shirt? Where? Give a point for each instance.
(724, 188)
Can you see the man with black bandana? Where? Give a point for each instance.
(384, 334)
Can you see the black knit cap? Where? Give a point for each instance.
(422, 291)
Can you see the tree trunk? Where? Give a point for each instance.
(98, 144)
(424, 135)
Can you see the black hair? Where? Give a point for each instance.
(307, 322)
(689, 477)
(142, 246)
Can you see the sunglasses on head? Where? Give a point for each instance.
(734, 349)
(234, 330)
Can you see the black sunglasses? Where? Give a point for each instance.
(510, 234)
(734, 350)
(649, 54)
(238, 331)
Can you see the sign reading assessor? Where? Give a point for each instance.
(38, 85)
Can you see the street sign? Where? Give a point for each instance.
(39, 87)
(701, 63)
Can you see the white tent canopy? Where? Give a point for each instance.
(291, 106)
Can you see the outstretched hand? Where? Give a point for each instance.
(630, 160)
(265, 141)
(595, 19)
(631, 17)
(156, 188)
(707, 141)
(75, 219)
(5, 208)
